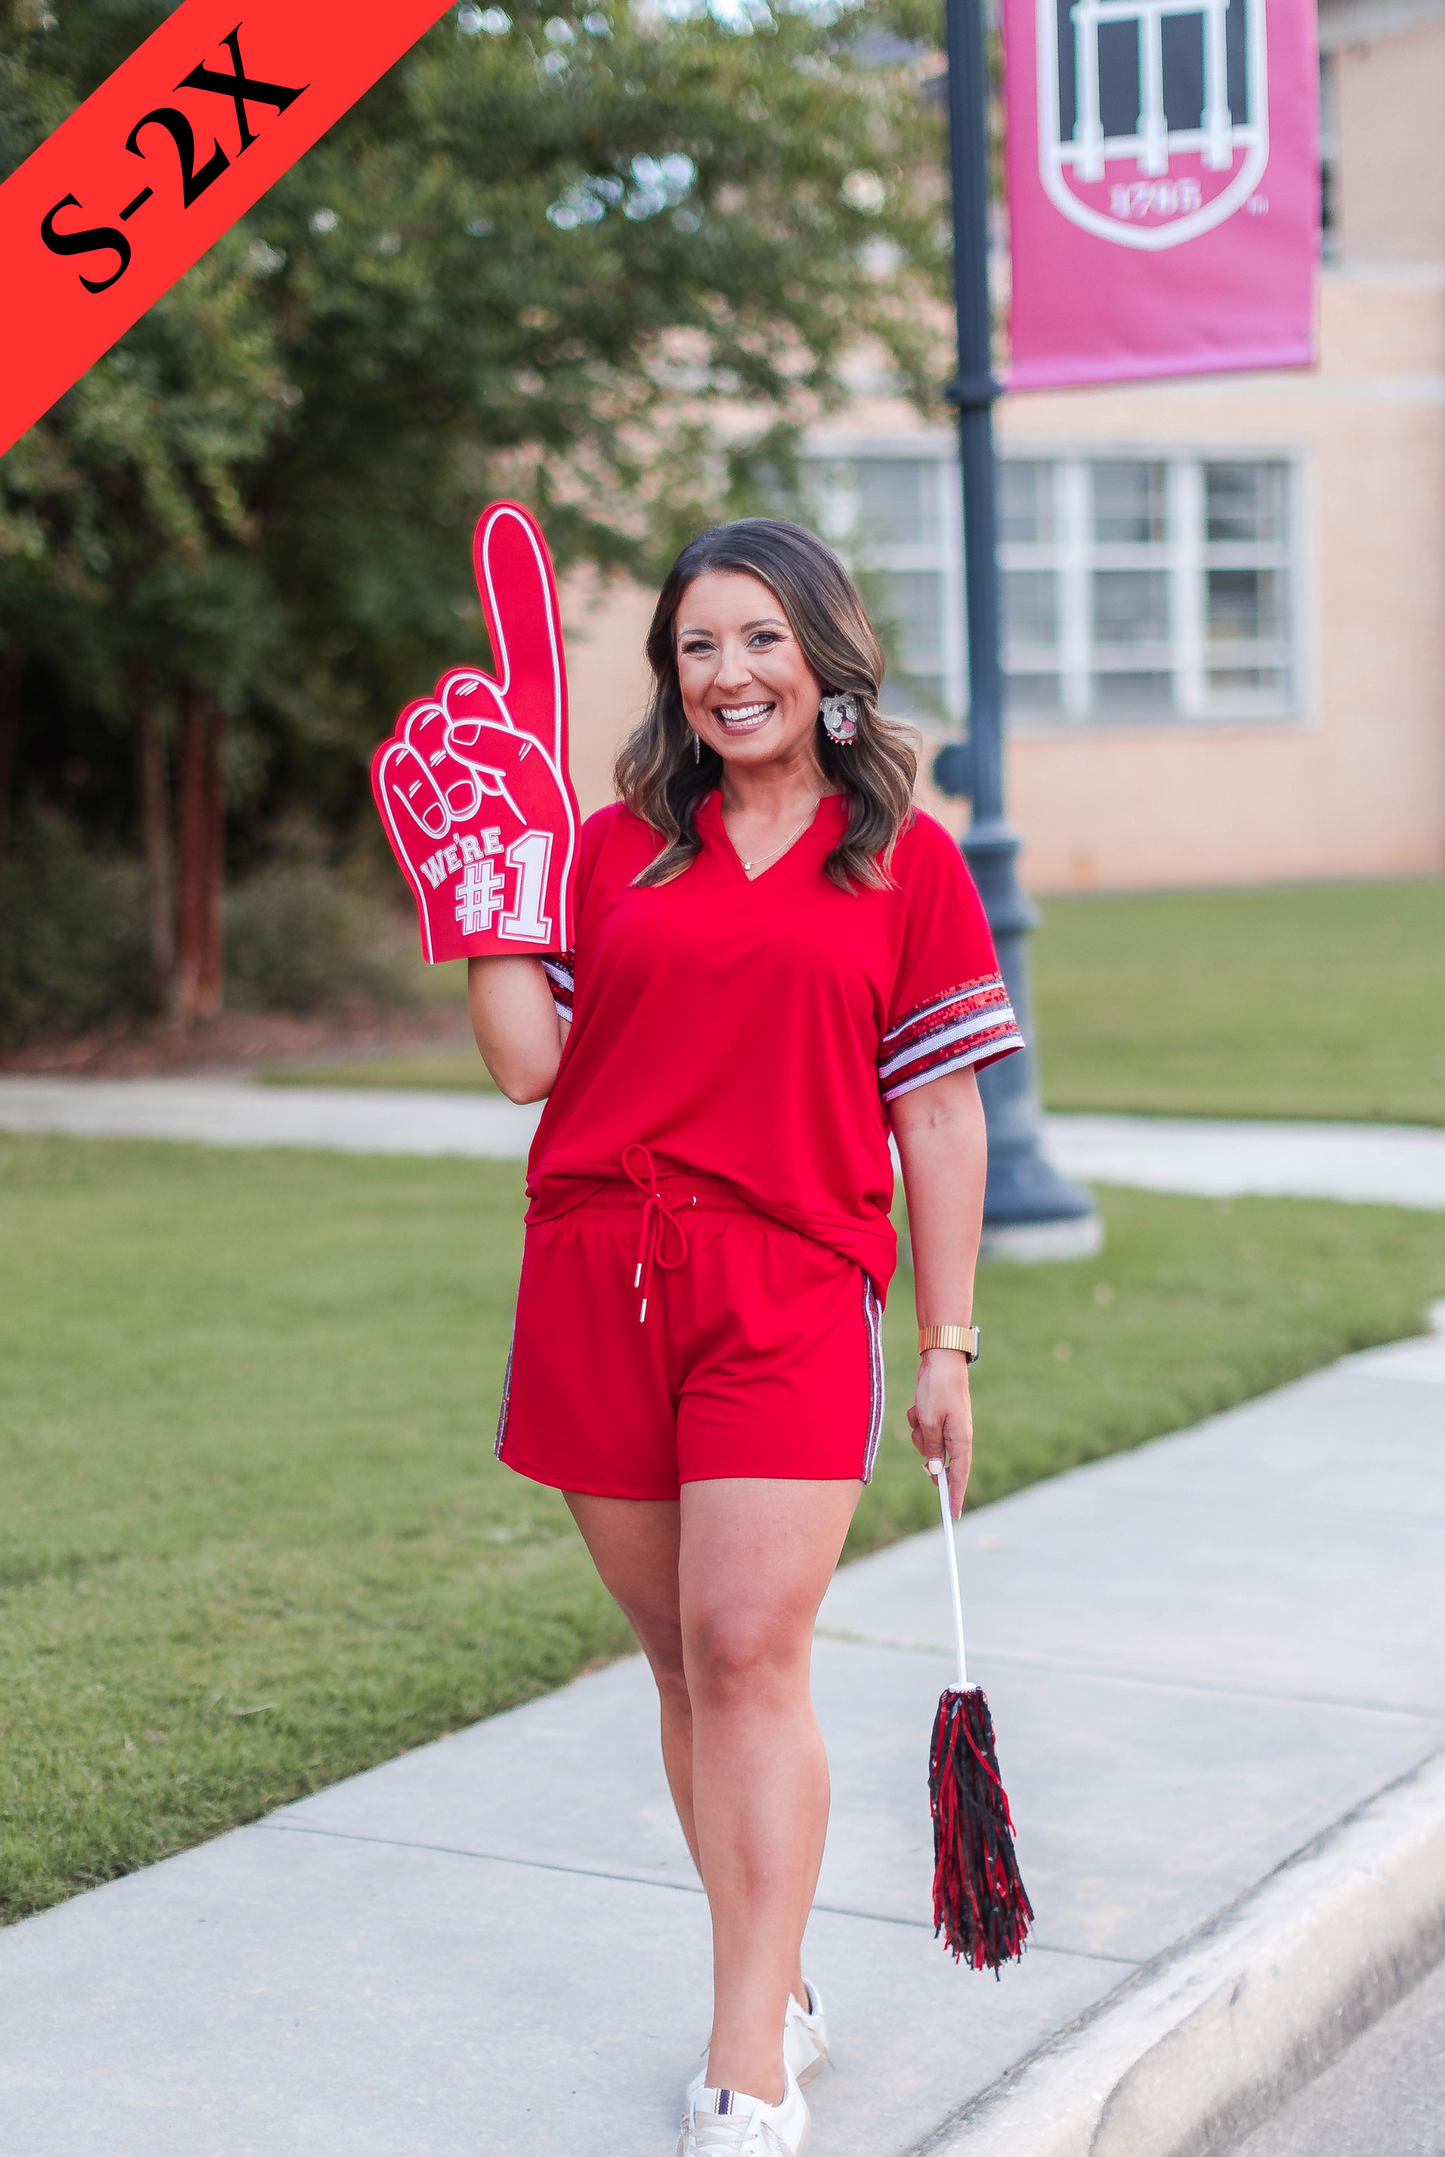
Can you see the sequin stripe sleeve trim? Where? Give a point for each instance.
(561, 973)
(971, 1024)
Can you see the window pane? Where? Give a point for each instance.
(1272, 681)
(907, 611)
(898, 502)
(830, 487)
(1244, 502)
(1131, 606)
(1128, 503)
(1028, 696)
(1025, 502)
(1132, 695)
(1245, 605)
(919, 696)
(1030, 607)
(910, 602)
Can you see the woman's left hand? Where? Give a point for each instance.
(941, 1418)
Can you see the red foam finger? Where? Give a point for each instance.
(478, 805)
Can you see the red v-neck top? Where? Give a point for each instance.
(756, 1029)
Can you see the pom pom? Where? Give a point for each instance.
(979, 1902)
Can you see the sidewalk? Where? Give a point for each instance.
(1201, 1656)
(1393, 1164)
(235, 1112)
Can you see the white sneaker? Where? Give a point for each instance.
(725, 2123)
(805, 2036)
(805, 2042)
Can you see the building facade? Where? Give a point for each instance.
(1223, 597)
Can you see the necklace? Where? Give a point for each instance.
(760, 861)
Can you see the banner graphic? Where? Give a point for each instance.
(161, 160)
(472, 783)
(1163, 175)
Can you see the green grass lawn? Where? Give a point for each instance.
(1320, 1000)
(450, 1070)
(252, 1536)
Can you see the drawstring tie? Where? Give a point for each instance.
(658, 1219)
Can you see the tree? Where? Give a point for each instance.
(130, 562)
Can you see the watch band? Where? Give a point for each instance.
(961, 1337)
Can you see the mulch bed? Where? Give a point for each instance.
(142, 1048)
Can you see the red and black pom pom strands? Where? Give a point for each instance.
(980, 1905)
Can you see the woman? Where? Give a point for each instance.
(777, 960)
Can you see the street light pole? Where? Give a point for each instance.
(1029, 1210)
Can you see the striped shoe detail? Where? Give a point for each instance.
(562, 975)
(972, 1024)
(873, 1327)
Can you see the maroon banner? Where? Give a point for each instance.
(161, 160)
(1163, 174)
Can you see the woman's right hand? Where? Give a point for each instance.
(516, 1024)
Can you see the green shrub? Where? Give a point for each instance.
(300, 938)
(73, 946)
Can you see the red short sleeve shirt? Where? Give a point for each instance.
(756, 1030)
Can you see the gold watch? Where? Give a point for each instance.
(962, 1337)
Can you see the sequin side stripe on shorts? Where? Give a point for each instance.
(506, 1394)
(873, 1321)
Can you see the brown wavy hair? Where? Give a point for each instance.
(656, 776)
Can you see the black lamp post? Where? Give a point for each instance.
(1029, 1210)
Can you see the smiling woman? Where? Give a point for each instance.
(778, 963)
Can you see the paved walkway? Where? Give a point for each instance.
(1200, 1655)
(234, 1112)
(1395, 1164)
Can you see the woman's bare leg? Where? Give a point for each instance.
(755, 1557)
(634, 1546)
(759, 1556)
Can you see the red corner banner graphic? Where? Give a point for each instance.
(1163, 173)
(161, 160)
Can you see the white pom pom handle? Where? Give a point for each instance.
(938, 1470)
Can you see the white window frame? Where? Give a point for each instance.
(1073, 554)
(836, 519)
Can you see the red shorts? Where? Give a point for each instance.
(760, 1354)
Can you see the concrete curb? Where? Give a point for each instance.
(1203, 2043)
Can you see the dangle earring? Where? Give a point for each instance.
(839, 714)
(696, 746)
